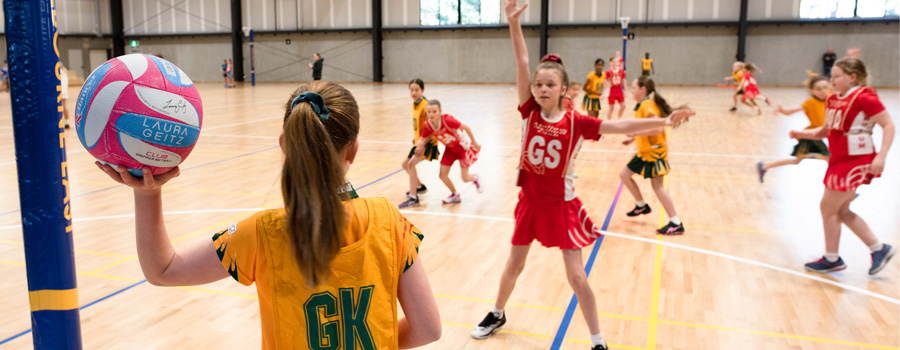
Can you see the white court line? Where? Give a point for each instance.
(182, 212)
(696, 250)
(751, 156)
(612, 234)
(243, 136)
(67, 154)
(236, 124)
(718, 155)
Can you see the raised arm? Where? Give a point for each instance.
(810, 134)
(789, 111)
(635, 126)
(160, 263)
(648, 132)
(523, 77)
(883, 119)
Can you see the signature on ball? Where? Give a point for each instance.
(177, 107)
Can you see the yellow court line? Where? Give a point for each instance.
(101, 253)
(750, 230)
(657, 280)
(126, 279)
(676, 323)
(683, 180)
(221, 223)
(117, 262)
(542, 336)
(76, 250)
(782, 335)
(7, 262)
(735, 229)
(369, 167)
(244, 214)
(247, 296)
(188, 189)
(214, 226)
(189, 235)
(654, 301)
(491, 302)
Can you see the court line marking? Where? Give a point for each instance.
(718, 155)
(80, 308)
(356, 172)
(143, 281)
(657, 280)
(212, 227)
(75, 250)
(701, 251)
(550, 308)
(238, 123)
(184, 169)
(544, 336)
(573, 302)
(605, 233)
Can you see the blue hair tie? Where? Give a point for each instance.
(316, 101)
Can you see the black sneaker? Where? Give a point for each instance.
(639, 210)
(600, 347)
(671, 229)
(733, 109)
(487, 326)
(421, 190)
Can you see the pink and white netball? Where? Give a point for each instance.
(139, 111)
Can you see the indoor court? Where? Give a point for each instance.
(734, 280)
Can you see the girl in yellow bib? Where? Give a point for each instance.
(330, 266)
(814, 107)
(652, 158)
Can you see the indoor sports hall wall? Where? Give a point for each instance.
(780, 50)
(691, 41)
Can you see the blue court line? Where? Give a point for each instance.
(14, 337)
(185, 169)
(570, 311)
(144, 281)
(7, 340)
(379, 179)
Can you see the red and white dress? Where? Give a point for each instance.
(616, 79)
(548, 209)
(850, 138)
(457, 145)
(750, 90)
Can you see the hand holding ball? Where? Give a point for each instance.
(139, 111)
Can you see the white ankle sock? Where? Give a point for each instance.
(675, 220)
(876, 247)
(640, 203)
(832, 257)
(597, 339)
(497, 312)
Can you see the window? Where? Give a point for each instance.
(453, 12)
(848, 8)
(876, 8)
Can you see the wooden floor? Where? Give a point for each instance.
(734, 281)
